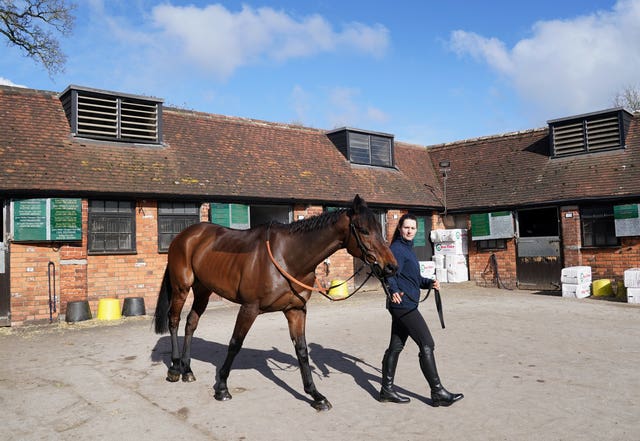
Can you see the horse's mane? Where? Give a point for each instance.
(316, 222)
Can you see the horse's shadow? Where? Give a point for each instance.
(327, 361)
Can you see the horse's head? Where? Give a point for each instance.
(365, 240)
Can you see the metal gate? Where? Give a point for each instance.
(5, 296)
(538, 261)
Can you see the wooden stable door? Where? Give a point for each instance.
(539, 260)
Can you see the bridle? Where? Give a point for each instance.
(366, 254)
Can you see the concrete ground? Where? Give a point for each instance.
(531, 366)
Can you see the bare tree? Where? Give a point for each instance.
(629, 98)
(30, 25)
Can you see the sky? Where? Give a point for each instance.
(427, 72)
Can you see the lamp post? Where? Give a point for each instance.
(445, 168)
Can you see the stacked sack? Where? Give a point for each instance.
(632, 283)
(450, 255)
(576, 281)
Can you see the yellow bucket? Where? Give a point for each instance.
(338, 290)
(108, 309)
(602, 288)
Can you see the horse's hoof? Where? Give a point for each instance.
(173, 376)
(222, 395)
(322, 405)
(188, 377)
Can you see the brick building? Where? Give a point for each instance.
(96, 183)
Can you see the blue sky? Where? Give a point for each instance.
(425, 71)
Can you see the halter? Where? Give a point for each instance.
(366, 253)
(322, 290)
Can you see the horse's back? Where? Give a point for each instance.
(215, 255)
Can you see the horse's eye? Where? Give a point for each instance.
(364, 231)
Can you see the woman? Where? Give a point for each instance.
(406, 320)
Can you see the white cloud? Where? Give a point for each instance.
(566, 66)
(6, 82)
(351, 112)
(221, 41)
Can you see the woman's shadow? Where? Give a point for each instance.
(268, 362)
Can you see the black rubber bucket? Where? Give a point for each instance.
(77, 311)
(133, 306)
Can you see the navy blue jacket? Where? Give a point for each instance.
(407, 279)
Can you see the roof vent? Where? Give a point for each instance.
(106, 115)
(364, 147)
(593, 132)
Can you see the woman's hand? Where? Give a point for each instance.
(436, 284)
(396, 297)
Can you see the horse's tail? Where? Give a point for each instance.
(162, 306)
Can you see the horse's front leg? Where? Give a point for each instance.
(246, 316)
(297, 320)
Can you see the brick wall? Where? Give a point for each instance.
(489, 271)
(79, 276)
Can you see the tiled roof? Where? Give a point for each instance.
(203, 156)
(515, 170)
(215, 157)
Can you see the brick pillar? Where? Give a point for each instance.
(571, 235)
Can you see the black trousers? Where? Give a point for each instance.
(405, 324)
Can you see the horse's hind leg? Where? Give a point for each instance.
(177, 302)
(200, 301)
(297, 319)
(246, 316)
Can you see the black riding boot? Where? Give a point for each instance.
(439, 395)
(388, 393)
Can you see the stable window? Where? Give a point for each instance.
(112, 116)
(491, 244)
(111, 227)
(598, 226)
(173, 217)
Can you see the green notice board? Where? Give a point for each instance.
(29, 219)
(66, 219)
(57, 219)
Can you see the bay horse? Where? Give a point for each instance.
(267, 268)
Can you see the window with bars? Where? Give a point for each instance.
(491, 244)
(110, 116)
(589, 133)
(173, 217)
(598, 226)
(111, 227)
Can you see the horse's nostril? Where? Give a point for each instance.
(390, 269)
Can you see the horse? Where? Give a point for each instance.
(267, 268)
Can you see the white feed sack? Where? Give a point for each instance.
(574, 290)
(576, 275)
(632, 278)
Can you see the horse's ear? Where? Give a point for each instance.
(358, 204)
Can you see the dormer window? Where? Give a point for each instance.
(593, 132)
(363, 147)
(111, 116)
